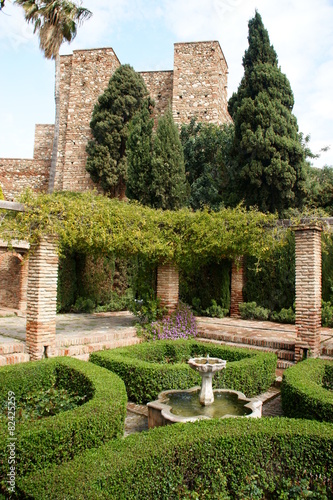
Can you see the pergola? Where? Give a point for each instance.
(43, 276)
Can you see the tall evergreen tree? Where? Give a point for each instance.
(268, 154)
(168, 172)
(107, 160)
(206, 155)
(139, 155)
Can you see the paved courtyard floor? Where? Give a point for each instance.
(73, 325)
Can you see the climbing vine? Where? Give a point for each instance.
(91, 223)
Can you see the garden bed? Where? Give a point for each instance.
(234, 458)
(152, 367)
(307, 390)
(55, 439)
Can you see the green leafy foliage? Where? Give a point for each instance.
(107, 160)
(268, 153)
(147, 309)
(139, 148)
(67, 285)
(46, 403)
(304, 390)
(250, 310)
(207, 162)
(43, 442)
(94, 224)
(168, 184)
(231, 459)
(1, 194)
(319, 187)
(327, 314)
(149, 368)
(284, 316)
(271, 283)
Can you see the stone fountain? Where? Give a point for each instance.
(201, 402)
(207, 368)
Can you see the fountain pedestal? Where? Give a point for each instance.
(206, 368)
(206, 396)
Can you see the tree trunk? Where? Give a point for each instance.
(54, 156)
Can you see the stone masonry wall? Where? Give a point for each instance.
(17, 175)
(65, 85)
(44, 135)
(91, 71)
(159, 85)
(200, 83)
(308, 292)
(196, 87)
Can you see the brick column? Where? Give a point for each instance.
(22, 305)
(168, 286)
(237, 283)
(42, 298)
(308, 292)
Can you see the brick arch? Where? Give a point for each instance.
(13, 280)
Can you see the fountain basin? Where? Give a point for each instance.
(228, 403)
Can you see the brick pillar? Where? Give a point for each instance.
(22, 305)
(168, 286)
(308, 292)
(42, 298)
(237, 283)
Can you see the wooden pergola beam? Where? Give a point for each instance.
(12, 205)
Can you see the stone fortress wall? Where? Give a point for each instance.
(197, 87)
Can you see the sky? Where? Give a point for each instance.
(142, 33)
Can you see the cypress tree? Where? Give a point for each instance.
(168, 172)
(107, 161)
(269, 159)
(206, 154)
(139, 155)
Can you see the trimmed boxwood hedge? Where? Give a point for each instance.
(228, 459)
(59, 438)
(303, 390)
(151, 367)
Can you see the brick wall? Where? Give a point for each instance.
(200, 83)
(308, 292)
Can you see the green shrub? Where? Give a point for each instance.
(327, 314)
(148, 309)
(151, 367)
(59, 438)
(250, 310)
(216, 289)
(216, 311)
(328, 377)
(83, 305)
(234, 459)
(272, 285)
(284, 316)
(67, 282)
(304, 390)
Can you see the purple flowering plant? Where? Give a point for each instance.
(179, 325)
